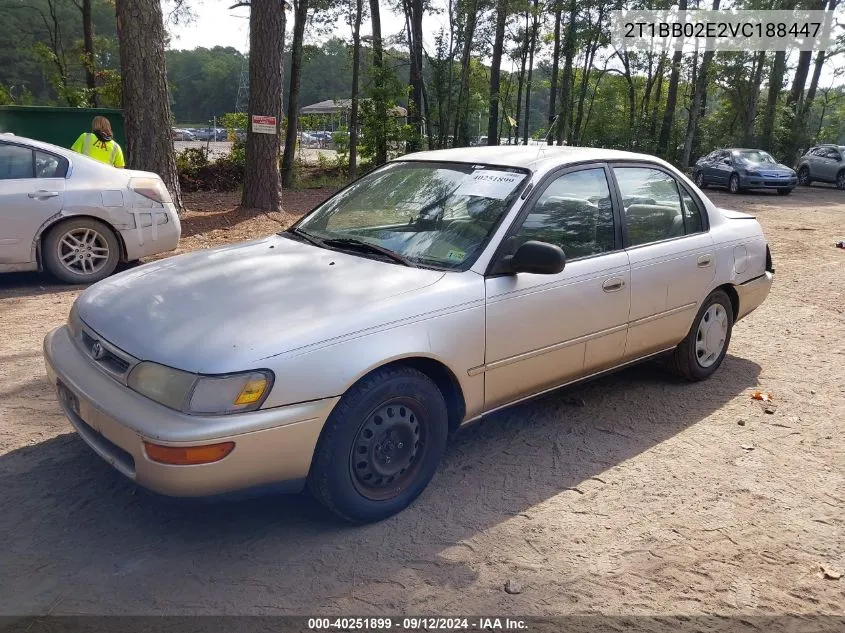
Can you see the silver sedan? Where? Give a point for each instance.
(76, 217)
(339, 354)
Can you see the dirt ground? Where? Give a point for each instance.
(632, 494)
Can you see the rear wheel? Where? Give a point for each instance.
(804, 177)
(81, 251)
(733, 184)
(700, 354)
(380, 446)
(784, 192)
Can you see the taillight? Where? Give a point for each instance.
(769, 267)
(151, 188)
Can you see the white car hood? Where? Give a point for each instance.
(227, 308)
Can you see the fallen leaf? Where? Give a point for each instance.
(765, 397)
(829, 573)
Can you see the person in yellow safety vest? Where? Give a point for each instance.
(99, 144)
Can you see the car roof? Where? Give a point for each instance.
(31, 142)
(532, 157)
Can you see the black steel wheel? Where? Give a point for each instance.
(380, 446)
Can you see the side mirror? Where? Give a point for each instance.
(727, 161)
(539, 258)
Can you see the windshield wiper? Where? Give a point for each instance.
(306, 236)
(361, 245)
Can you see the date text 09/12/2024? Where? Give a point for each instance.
(417, 623)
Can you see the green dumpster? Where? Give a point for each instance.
(59, 126)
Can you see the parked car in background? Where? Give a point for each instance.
(823, 163)
(739, 169)
(76, 217)
(467, 280)
(180, 134)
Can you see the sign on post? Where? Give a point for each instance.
(263, 124)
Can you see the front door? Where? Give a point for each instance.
(545, 330)
(671, 253)
(26, 200)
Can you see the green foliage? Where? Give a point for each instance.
(198, 173)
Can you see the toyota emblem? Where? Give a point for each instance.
(97, 351)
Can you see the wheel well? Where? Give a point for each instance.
(445, 380)
(733, 296)
(65, 218)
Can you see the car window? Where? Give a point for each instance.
(652, 204)
(575, 213)
(49, 165)
(833, 153)
(15, 162)
(692, 214)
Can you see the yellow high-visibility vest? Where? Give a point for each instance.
(88, 145)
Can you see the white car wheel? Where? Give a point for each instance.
(81, 251)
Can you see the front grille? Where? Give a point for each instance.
(113, 361)
(109, 360)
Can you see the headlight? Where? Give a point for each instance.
(190, 393)
(752, 172)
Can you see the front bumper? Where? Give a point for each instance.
(764, 182)
(273, 447)
(752, 293)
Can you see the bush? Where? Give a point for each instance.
(198, 173)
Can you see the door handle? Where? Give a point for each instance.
(613, 284)
(705, 260)
(43, 194)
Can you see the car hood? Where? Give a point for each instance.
(224, 309)
(768, 167)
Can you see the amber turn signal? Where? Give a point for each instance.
(188, 455)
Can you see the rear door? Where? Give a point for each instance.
(32, 186)
(829, 164)
(671, 253)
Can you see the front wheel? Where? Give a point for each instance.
(700, 354)
(699, 179)
(380, 446)
(804, 177)
(840, 180)
(733, 185)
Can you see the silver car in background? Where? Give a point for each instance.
(76, 217)
(823, 163)
(440, 287)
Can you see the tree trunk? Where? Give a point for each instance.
(817, 71)
(563, 127)
(775, 86)
(262, 182)
(379, 99)
(146, 101)
(88, 45)
(413, 20)
(462, 120)
(353, 112)
(520, 83)
(554, 78)
(496, 73)
(299, 20)
(535, 27)
(671, 100)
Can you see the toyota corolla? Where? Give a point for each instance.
(339, 354)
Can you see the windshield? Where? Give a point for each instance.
(756, 156)
(430, 214)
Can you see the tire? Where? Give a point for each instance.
(351, 473)
(697, 358)
(840, 180)
(81, 251)
(804, 177)
(733, 184)
(699, 180)
(784, 192)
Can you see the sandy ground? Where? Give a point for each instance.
(632, 494)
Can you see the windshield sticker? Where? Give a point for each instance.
(456, 255)
(488, 183)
